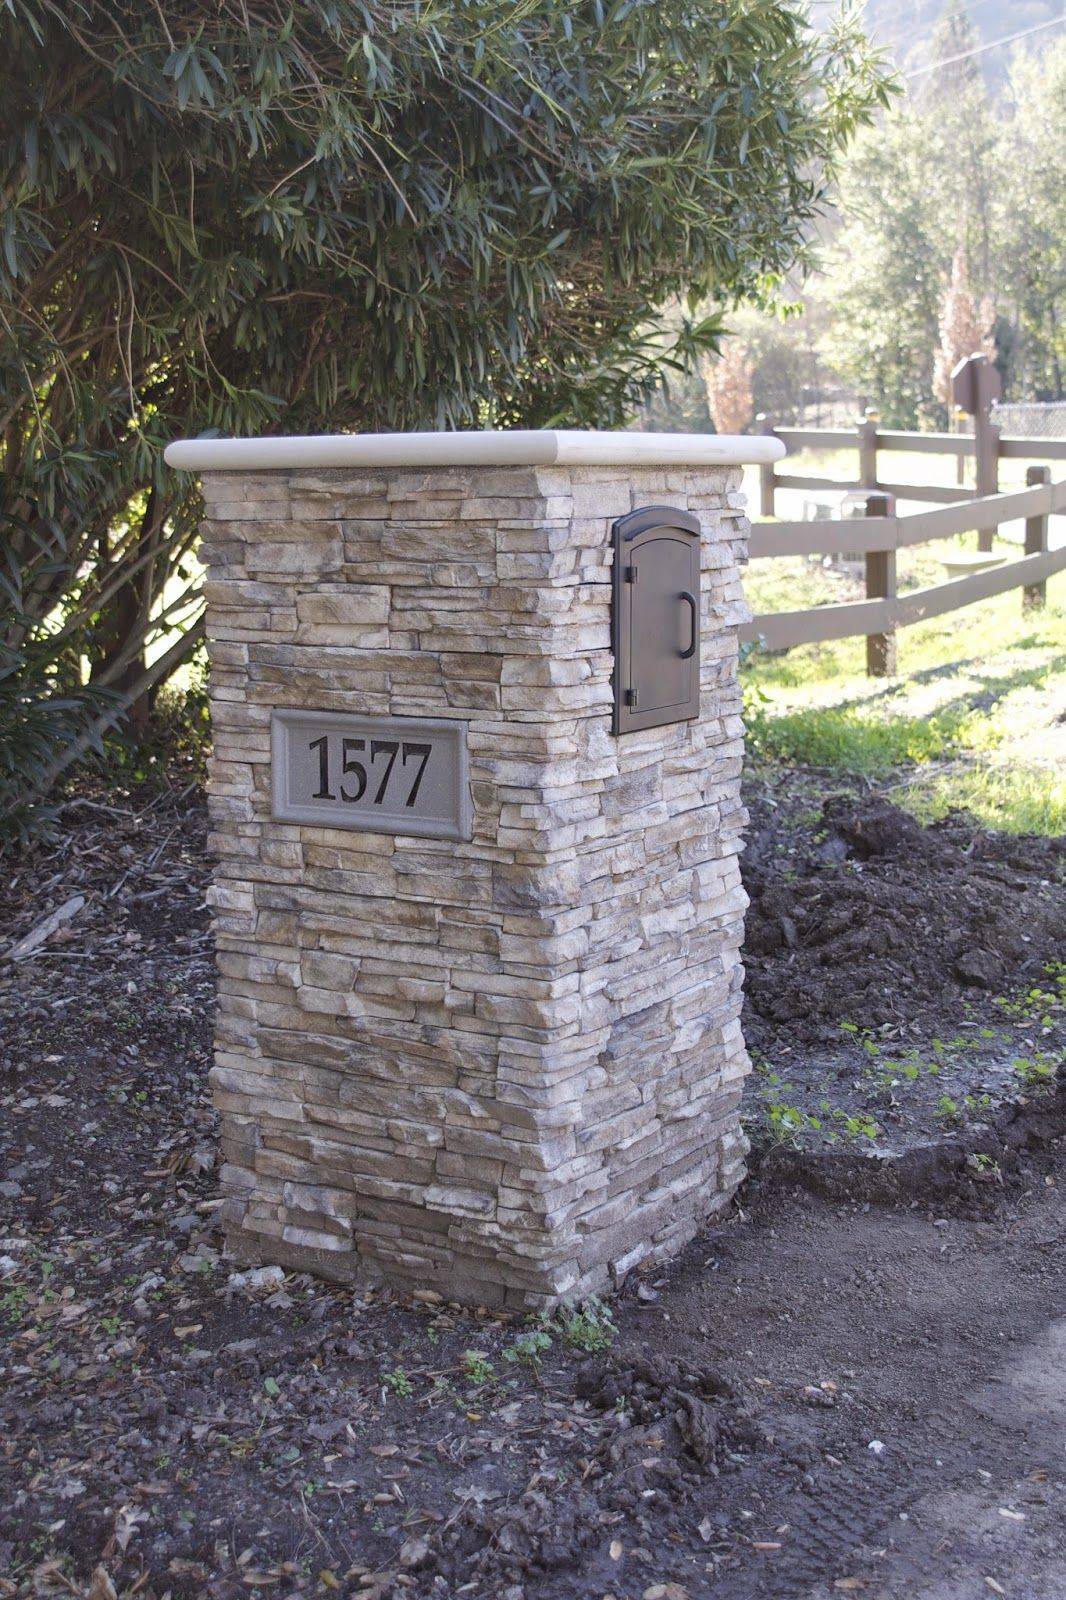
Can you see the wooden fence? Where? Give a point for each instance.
(880, 533)
(985, 444)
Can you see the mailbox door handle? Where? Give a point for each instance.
(690, 601)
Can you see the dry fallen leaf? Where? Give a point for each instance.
(101, 1587)
(616, 1549)
(996, 1588)
(126, 1520)
(414, 1553)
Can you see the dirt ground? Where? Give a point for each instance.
(853, 1385)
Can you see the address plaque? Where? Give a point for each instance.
(402, 775)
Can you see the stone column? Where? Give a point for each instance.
(507, 1067)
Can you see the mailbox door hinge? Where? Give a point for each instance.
(631, 574)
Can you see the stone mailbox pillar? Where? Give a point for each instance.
(478, 952)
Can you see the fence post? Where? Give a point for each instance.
(986, 461)
(867, 432)
(881, 585)
(766, 470)
(1034, 595)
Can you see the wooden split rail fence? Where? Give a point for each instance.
(986, 445)
(880, 533)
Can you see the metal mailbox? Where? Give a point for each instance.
(656, 618)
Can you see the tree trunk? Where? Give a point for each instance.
(124, 623)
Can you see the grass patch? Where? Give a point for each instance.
(1009, 799)
(976, 721)
(853, 739)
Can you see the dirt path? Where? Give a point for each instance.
(169, 1428)
(958, 1534)
(936, 1337)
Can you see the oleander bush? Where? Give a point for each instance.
(247, 216)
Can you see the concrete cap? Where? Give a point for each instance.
(516, 447)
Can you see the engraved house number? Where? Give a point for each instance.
(402, 775)
(350, 763)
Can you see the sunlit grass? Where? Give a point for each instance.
(975, 720)
(1009, 798)
(853, 739)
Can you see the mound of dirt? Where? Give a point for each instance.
(872, 918)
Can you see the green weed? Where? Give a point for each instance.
(529, 1347)
(589, 1326)
(786, 1122)
(1037, 1071)
(478, 1369)
(1038, 1004)
(984, 1166)
(948, 1110)
(13, 1302)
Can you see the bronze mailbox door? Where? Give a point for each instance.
(656, 618)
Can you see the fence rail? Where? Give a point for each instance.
(986, 445)
(938, 444)
(878, 535)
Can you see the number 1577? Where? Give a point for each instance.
(353, 768)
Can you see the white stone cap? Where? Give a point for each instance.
(515, 447)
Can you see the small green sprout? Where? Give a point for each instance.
(588, 1327)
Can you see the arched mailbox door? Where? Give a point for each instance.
(656, 618)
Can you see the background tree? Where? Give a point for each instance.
(929, 179)
(1032, 223)
(789, 379)
(965, 329)
(728, 381)
(288, 217)
(885, 271)
(963, 129)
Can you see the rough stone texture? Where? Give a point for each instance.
(508, 1069)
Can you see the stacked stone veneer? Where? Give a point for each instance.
(508, 1069)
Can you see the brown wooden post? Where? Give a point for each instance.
(867, 432)
(986, 449)
(954, 417)
(986, 460)
(881, 585)
(766, 470)
(1034, 595)
(975, 386)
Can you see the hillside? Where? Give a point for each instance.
(906, 28)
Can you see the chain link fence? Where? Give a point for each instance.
(1031, 419)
